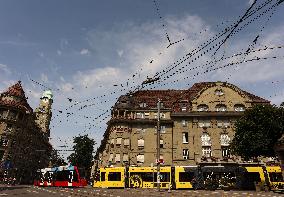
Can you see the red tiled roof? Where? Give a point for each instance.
(19, 103)
(170, 97)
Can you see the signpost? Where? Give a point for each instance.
(158, 144)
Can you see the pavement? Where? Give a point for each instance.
(33, 191)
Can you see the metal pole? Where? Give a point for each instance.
(158, 145)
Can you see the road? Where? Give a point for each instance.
(32, 191)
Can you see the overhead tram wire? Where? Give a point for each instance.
(204, 52)
(201, 47)
(217, 68)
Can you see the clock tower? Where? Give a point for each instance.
(43, 112)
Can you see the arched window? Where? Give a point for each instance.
(239, 107)
(225, 140)
(202, 107)
(221, 107)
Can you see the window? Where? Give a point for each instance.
(4, 141)
(142, 105)
(185, 154)
(219, 92)
(221, 123)
(162, 115)
(118, 141)
(225, 151)
(239, 107)
(205, 139)
(103, 176)
(140, 143)
(140, 115)
(147, 114)
(117, 158)
(204, 123)
(161, 143)
(183, 123)
(202, 107)
(186, 176)
(114, 176)
(221, 107)
(225, 140)
(110, 157)
(126, 142)
(185, 137)
(163, 129)
(275, 176)
(12, 114)
(140, 158)
(206, 151)
(183, 109)
(125, 157)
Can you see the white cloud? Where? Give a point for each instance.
(120, 53)
(44, 77)
(91, 78)
(84, 52)
(5, 68)
(59, 52)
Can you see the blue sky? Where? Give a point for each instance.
(84, 47)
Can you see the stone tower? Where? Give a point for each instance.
(43, 112)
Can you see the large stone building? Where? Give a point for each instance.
(196, 126)
(24, 142)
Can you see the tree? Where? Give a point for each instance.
(55, 159)
(83, 155)
(258, 131)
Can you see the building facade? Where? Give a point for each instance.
(24, 134)
(197, 126)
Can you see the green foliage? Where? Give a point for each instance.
(83, 155)
(258, 131)
(55, 159)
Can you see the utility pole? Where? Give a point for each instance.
(158, 144)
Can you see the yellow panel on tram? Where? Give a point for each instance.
(111, 178)
(146, 177)
(184, 176)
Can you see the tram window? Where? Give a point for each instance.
(275, 176)
(147, 176)
(114, 176)
(103, 176)
(186, 176)
(164, 177)
(62, 175)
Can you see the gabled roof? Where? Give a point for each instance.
(16, 96)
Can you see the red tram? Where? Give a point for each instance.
(62, 176)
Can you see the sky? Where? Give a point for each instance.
(96, 49)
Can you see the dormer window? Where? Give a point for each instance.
(221, 108)
(239, 107)
(219, 92)
(142, 105)
(202, 107)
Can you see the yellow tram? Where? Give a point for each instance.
(191, 177)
